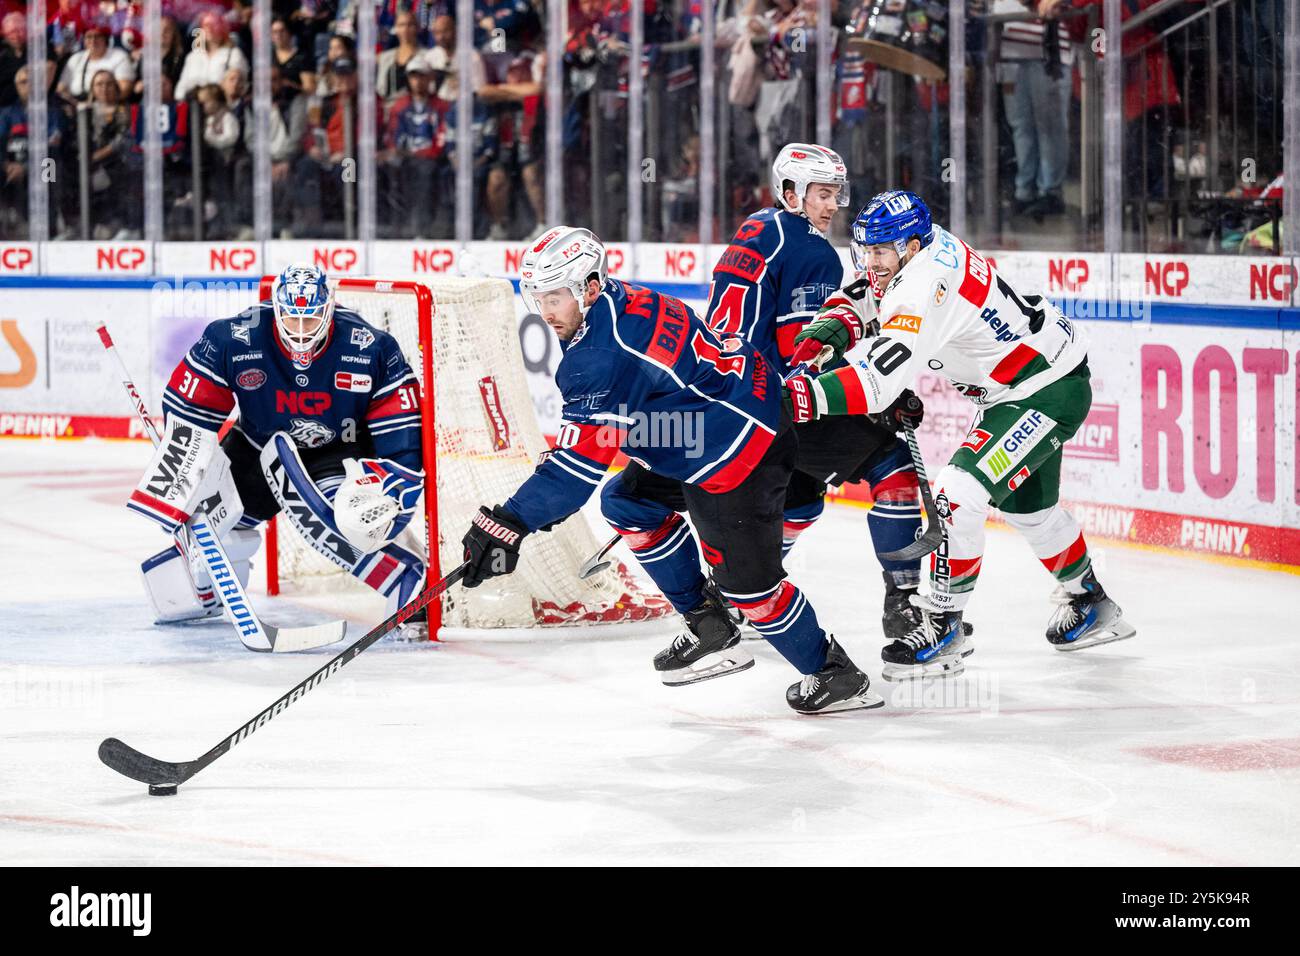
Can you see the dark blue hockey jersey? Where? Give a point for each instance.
(644, 374)
(360, 384)
(771, 280)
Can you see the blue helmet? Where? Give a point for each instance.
(302, 293)
(891, 217)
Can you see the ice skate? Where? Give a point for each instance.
(935, 647)
(838, 686)
(707, 648)
(1086, 620)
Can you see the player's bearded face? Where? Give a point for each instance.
(820, 202)
(883, 263)
(560, 311)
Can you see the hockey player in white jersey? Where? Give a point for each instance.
(944, 307)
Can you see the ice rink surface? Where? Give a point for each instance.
(1181, 746)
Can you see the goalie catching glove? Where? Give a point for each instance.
(375, 502)
(491, 545)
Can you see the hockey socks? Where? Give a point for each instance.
(797, 521)
(1056, 540)
(785, 618)
(895, 516)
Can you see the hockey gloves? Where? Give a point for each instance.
(800, 398)
(906, 410)
(491, 545)
(840, 328)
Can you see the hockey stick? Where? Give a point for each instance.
(197, 531)
(932, 537)
(164, 777)
(594, 564)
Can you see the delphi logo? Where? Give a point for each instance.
(76, 909)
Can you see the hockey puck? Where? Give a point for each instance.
(162, 789)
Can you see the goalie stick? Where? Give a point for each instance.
(254, 633)
(164, 777)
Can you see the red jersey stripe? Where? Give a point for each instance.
(741, 465)
(1010, 366)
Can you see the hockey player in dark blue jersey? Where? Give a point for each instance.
(642, 373)
(767, 285)
(328, 428)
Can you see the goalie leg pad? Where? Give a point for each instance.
(394, 572)
(304, 504)
(171, 590)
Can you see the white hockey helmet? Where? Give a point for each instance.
(303, 292)
(565, 257)
(804, 163)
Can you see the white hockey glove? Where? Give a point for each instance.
(375, 502)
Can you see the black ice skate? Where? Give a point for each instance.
(901, 615)
(839, 685)
(708, 648)
(1086, 620)
(935, 647)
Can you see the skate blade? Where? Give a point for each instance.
(866, 701)
(1118, 630)
(943, 668)
(718, 664)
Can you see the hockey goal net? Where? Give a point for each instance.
(481, 440)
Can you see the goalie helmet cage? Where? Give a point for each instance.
(481, 439)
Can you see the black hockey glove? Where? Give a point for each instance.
(491, 545)
(906, 410)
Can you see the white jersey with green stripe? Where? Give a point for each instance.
(949, 311)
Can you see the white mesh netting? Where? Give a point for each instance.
(487, 443)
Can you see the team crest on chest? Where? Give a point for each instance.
(307, 433)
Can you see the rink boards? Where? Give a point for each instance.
(1191, 443)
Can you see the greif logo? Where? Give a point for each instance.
(75, 909)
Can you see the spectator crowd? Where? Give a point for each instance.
(767, 94)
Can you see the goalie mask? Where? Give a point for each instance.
(563, 258)
(304, 311)
(802, 164)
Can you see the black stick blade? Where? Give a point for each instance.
(129, 762)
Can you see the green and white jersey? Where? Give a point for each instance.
(950, 312)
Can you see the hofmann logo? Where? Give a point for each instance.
(76, 909)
